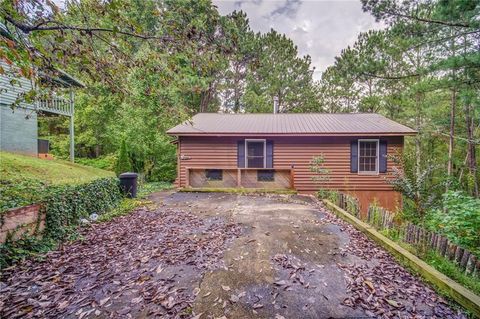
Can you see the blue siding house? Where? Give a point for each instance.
(19, 118)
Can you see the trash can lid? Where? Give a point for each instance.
(128, 175)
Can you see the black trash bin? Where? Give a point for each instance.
(128, 184)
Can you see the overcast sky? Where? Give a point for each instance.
(320, 28)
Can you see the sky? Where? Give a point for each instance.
(320, 28)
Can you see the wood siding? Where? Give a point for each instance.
(221, 152)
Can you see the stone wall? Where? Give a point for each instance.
(21, 220)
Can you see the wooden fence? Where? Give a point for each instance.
(348, 203)
(418, 236)
(414, 235)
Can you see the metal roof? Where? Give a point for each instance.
(217, 124)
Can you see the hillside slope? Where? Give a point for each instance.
(25, 179)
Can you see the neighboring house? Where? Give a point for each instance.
(19, 118)
(277, 151)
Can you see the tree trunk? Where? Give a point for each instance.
(453, 107)
(452, 132)
(471, 151)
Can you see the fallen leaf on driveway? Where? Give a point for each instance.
(103, 301)
(393, 303)
(369, 284)
(257, 306)
(226, 288)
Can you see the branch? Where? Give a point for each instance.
(59, 26)
(388, 77)
(441, 22)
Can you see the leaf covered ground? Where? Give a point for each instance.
(220, 256)
(143, 264)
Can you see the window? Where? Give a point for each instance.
(214, 174)
(255, 153)
(368, 156)
(265, 176)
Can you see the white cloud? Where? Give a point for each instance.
(320, 29)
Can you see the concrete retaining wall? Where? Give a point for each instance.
(19, 221)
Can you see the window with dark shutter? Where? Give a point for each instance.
(368, 156)
(354, 156)
(269, 150)
(255, 153)
(241, 154)
(382, 161)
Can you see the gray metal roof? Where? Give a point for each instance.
(291, 124)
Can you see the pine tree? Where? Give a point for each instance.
(124, 163)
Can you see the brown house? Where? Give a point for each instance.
(275, 151)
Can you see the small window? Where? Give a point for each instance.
(214, 174)
(266, 176)
(368, 156)
(255, 153)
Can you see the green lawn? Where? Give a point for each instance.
(25, 179)
(52, 172)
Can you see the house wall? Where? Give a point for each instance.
(221, 152)
(18, 130)
(18, 127)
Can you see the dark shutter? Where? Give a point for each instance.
(382, 161)
(354, 156)
(269, 160)
(241, 154)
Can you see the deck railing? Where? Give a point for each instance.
(56, 105)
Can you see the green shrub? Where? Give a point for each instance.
(328, 194)
(106, 162)
(66, 205)
(459, 220)
(20, 192)
(124, 164)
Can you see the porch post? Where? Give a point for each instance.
(239, 178)
(72, 137)
(292, 177)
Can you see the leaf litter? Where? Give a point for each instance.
(130, 266)
(383, 288)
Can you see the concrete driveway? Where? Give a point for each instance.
(213, 255)
(289, 262)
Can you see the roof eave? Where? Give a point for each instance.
(295, 134)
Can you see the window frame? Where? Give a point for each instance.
(264, 152)
(377, 159)
(266, 171)
(207, 170)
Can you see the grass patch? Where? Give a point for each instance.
(25, 180)
(126, 206)
(451, 270)
(145, 189)
(50, 172)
